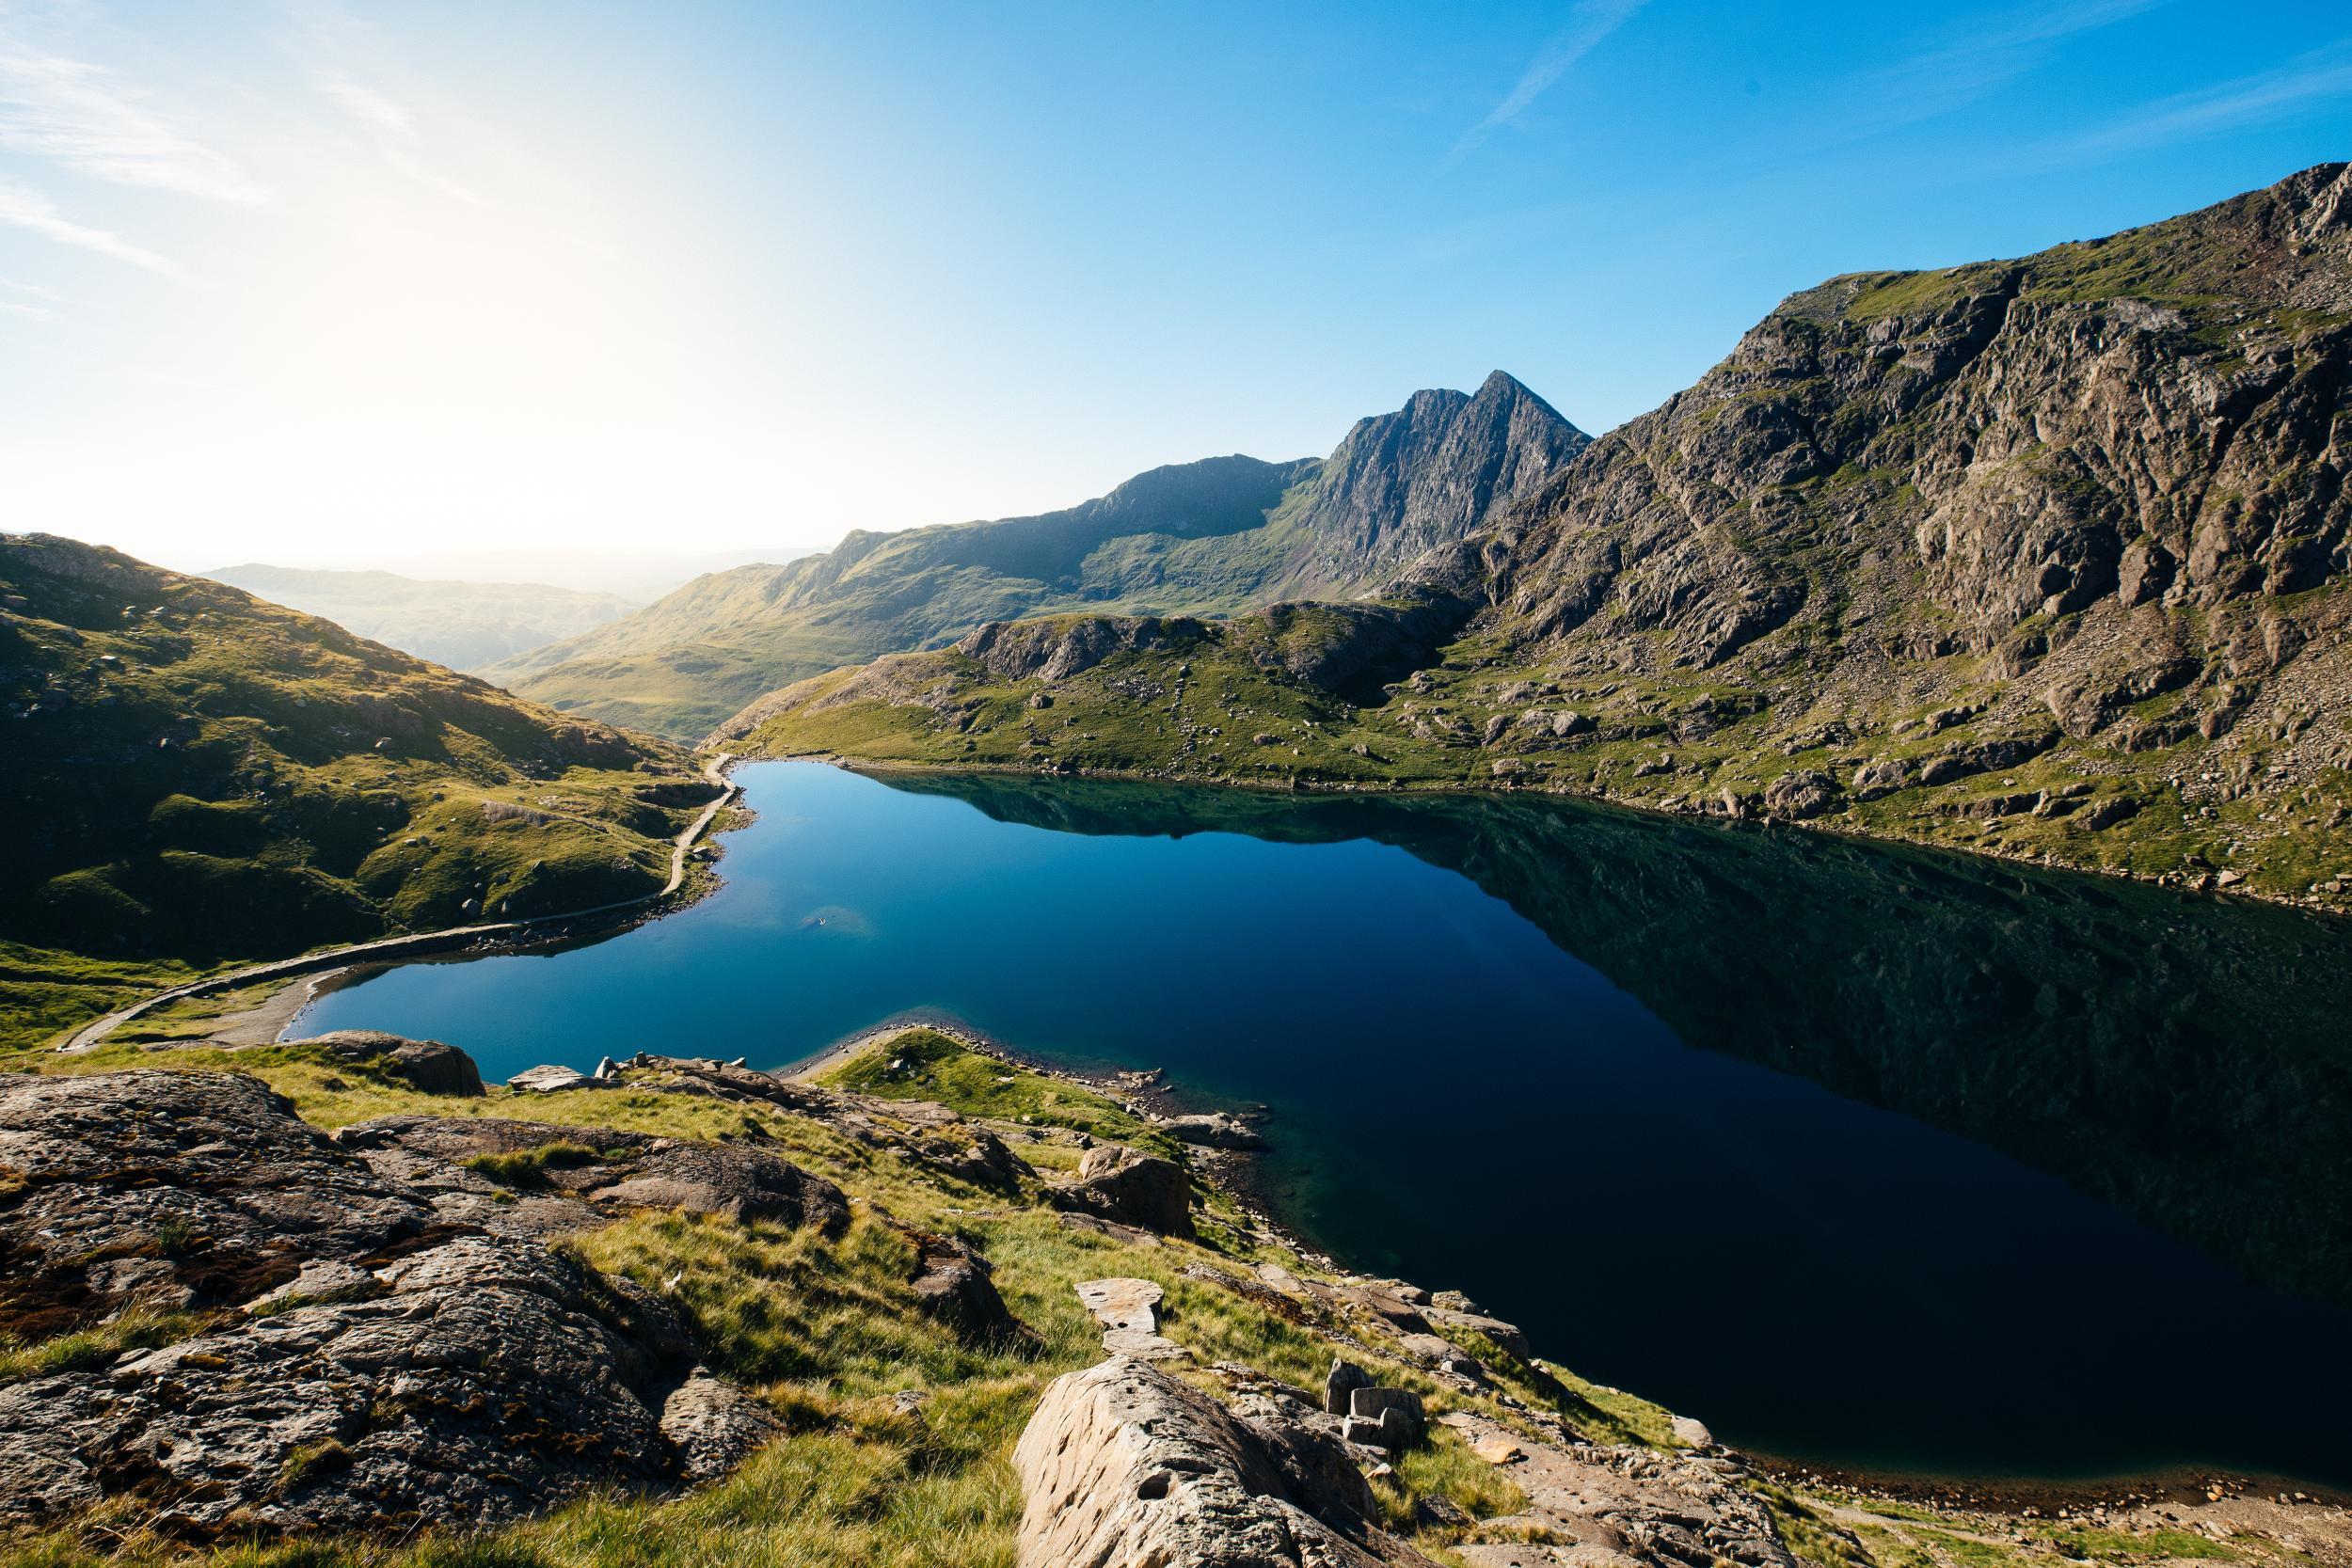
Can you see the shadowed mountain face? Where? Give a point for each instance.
(1209, 537)
(2183, 1060)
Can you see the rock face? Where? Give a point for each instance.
(179, 1188)
(2082, 486)
(1128, 1188)
(396, 1366)
(1052, 650)
(1124, 1463)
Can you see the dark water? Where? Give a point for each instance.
(1862, 1155)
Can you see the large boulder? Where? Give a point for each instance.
(430, 1066)
(1124, 1463)
(395, 1365)
(951, 1284)
(1128, 1188)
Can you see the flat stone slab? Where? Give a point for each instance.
(1122, 1302)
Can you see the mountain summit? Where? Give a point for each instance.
(1429, 474)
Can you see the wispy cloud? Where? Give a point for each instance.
(393, 130)
(365, 104)
(40, 312)
(91, 121)
(1969, 64)
(36, 289)
(1588, 24)
(2272, 95)
(23, 207)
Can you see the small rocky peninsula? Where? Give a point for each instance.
(930, 1303)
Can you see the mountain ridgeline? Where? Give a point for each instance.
(1206, 538)
(462, 625)
(2046, 558)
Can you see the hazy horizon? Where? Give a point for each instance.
(285, 283)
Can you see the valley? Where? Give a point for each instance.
(1279, 1017)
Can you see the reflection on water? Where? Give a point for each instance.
(1861, 1154)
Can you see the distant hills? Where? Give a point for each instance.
(2046, 558)
(197, 776)
(1210, 537)
(462, 625)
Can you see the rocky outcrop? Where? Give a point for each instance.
(430, 1065)
(728, 1181)
(1051, 650)
(1214, 1130)
(181, 1190)
(1124, 1463)
(394, 1363)
(1129, 1311)
(1591, 1507)
(1127, 1188)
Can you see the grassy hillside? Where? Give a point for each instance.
(688, 660)
(2050, 558)
(201, 778)
(462, 625)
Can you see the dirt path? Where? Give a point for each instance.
(415, 943)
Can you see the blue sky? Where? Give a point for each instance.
(323, 284)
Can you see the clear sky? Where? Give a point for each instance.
(318, 283)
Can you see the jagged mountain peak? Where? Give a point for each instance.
(1426, 475)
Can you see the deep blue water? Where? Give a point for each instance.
(1720, 1129)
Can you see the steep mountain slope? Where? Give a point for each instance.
(2044, 557)
(197, 776)
(1205, 538)
(462, 625)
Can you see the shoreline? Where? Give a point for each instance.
(483, 940)
(2303, 903)
(1148, 1093)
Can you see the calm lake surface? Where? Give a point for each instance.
(1862, 1155)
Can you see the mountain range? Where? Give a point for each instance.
(1210, 537)
(460, 624)
(2043, 557)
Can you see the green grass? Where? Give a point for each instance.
(136, 1328)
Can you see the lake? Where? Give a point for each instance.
(1864, 1155)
